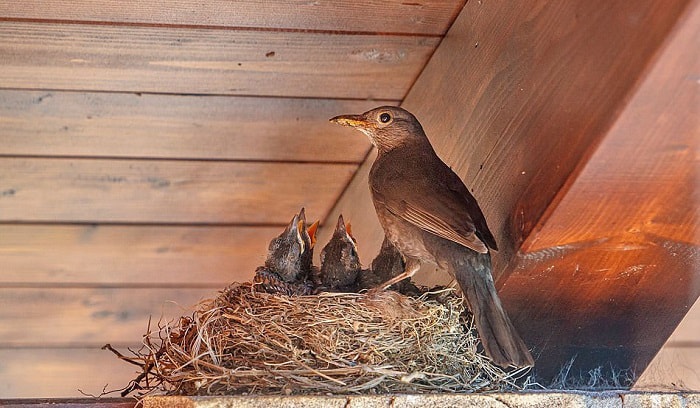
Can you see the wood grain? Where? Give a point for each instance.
(64, 317)
(46, 255)
(396, 16)
(675, 366)
(526, 96)
(176, 126)
(182, 192)
(613, 268)
(200, 61)
(521, 99)
(59, 373)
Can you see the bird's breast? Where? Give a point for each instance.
(405, 236)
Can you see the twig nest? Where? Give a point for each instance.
(247, 341)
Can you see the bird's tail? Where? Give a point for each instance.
(500, 339)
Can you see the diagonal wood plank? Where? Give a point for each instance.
(396, 16)
(89, 316)
(201, 61)
(176, 126)
(614, 267)
(134, 254)
(155, 191)
(513, 103)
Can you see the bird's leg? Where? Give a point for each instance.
(412, 266)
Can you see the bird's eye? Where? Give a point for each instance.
(384, 117)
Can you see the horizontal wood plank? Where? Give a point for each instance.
(199, 61)
(134, 255)
(137, 191)
(396, 16)
(64, 317)
(61, 373)
(176, 126)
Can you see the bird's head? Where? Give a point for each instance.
(387, 127)
(290, 254)
(340, 263)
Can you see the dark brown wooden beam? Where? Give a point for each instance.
(516, 99)
(615, 265)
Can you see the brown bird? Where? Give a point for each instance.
(429, 215)
(387, 264)
(340, 264)
(288, 265)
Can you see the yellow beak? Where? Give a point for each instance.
(350, 120)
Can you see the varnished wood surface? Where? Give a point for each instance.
(153, 191)
(146, 255)
(386, 16)
(201, 61)
(527, 96)
(524, 100)
(613, 268)
(130, 125)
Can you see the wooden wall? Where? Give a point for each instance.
(575, 126)
(150, 150)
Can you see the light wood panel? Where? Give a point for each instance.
(675, 366)
(177, 126)
(396, 16)
(133, 255)
(65, 317)
(137, 191)
(60, 373)
(200, 61)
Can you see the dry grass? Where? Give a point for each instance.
(246, 341)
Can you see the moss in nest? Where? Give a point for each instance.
(246, 341)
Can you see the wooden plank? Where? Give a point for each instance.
(176, 126)
(509, 89)
(675, 366)
(78, 402)
(614, 267)
(60, 373)
(526, 91)
(81, 317)
(672, 369)
(396, 16)
(134, 254)
(137, 191)
(201, 61)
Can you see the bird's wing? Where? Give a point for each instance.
(430, 221)
(442, 214)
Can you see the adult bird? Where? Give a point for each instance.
(429, 215)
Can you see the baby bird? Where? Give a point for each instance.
(340, 264)
(387, 264)
(288, 265)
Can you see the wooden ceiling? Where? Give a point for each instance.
(150, 150)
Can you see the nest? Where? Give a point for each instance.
(246, 341)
